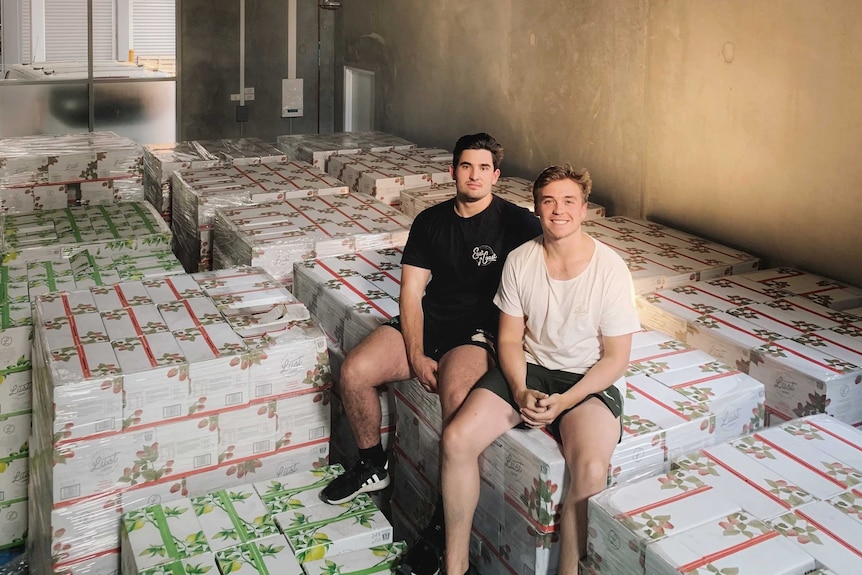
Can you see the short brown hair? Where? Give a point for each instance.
(565, 172)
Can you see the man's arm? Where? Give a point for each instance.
(513, 364)
(413, 282)
(610, 367)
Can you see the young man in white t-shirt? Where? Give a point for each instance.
(566, 317)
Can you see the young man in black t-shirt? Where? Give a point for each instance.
(445, 334)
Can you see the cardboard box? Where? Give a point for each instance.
(625, 520)
(380, 559)
(832, 537)
(267, 556)
(161, 534)
(233, 516)
(739, 542)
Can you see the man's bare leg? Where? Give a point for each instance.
(378, 359)
(457, 372)
(483, 417)
(590, 433)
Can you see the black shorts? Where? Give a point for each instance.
(550, 381)
(439, 340)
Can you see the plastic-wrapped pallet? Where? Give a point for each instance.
(808, 356)
(275, 236)
(516, 190)
(20, 284)
(384, 175)
(57, 171)
(153, 389)
(161, 161)
(317, 148)
(660, 257)
(784, 495)
(102, 230)
(350, 295)
(197, 193)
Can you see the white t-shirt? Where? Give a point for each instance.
(565, 319)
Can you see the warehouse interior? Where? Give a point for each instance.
(735, 120)
(731, 129)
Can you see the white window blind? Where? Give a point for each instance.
(154, 27)
(66, 30)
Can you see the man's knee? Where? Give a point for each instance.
(358, 371)
(456, 442)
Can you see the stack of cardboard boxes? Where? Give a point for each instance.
(779, 500)
(770, 325)
(276, 236)
(199, 192)
(54, 172)
(317, 148)
(145, 390)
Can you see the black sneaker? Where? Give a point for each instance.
(425, 556)
(361, 478)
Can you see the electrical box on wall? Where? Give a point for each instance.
(291, 97)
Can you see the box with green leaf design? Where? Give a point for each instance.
(298, 490)
(382, 559)
(233, 516)
(197, 565)
(268, 556)
(359, 527)
(160, 534)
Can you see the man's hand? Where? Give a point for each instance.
(425, 369)
(531, 409)
(553, 405)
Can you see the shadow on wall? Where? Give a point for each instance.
(369, 52)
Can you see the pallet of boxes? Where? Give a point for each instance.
(150, 391)
(55, 172)
(43, 253)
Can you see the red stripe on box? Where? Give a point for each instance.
(737, 328)
(366, 202)
(352, 288)
(821, 335)
(123, 301)
(414, 408)
(674, 499)
(657, 402)
(732, 372)
(800, 461)
(849, 546)
(706, 559)
(825, 366)
(186, 475)
(673, 301)
(748, 481)
(303, 168)
(659, 356)
(134, 321)
(192, 315)
(70, 564)
(209, 341)
(833, 434)
(302, 213)
(149, 351)
(173, 288)
(249, 178)
(375, 266)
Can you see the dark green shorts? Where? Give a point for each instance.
(549, 381)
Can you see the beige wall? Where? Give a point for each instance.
(737, 120)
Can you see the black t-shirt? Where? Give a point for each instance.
(465, 256)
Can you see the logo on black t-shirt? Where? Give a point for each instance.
(484, 255)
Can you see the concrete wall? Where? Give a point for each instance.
(738, 120)
(209, 68)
